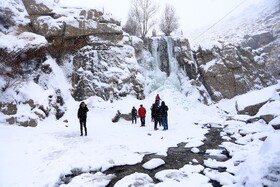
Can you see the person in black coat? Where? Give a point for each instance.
(163, 111)
(134, 115)
(156, 114)
(82, 115)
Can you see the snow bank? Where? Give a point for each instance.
(255, 97)
(261, 169)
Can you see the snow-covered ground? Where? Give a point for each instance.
(40, 156)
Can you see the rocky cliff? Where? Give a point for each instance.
(231, 70)
(42, 42)
(88, 46)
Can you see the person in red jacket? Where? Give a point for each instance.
(142, 115)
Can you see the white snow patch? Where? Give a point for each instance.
(154, 163)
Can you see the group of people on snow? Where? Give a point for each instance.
(158, 114)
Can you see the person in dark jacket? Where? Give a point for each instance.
(142, 115)
(157, 98)
(82, 115)
(163, 111)
(156, 114)
(152, 113)
(134, 115)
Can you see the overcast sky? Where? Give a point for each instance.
(192, 13)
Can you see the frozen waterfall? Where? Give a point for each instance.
(163, 71)
(162, 66)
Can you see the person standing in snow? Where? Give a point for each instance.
(157, 98)
(156, 114)
(82, 115)
(163, 111)
(134, 115)
(152, 113)
(142, 115)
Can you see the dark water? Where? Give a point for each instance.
(177, 157)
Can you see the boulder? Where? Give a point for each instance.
(258, 40)
(275, 123)
(11, 120)
(8, 108)
(251, 110)
(29, 122)
(267, 118)
(119, 115)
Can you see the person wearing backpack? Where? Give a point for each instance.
(82, 115)
(134, 115)
(163, 111)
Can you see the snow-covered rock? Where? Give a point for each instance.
(154, 163)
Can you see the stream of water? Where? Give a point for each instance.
(177, 157)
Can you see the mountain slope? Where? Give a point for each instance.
(263, 15)
(256, 27)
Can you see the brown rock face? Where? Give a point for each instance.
(266, 47)
(231, 71)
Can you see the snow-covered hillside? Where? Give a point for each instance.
(258, 16)
(254, 25)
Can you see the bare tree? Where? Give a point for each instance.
(131, 26)
(143, 13)
(169, 21)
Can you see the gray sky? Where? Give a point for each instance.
(192, 13)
